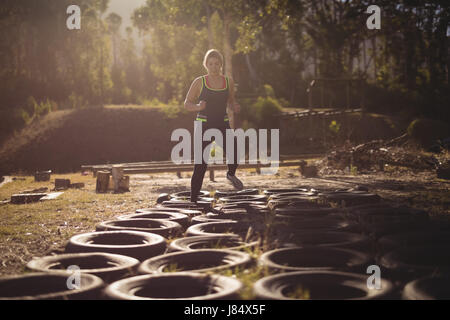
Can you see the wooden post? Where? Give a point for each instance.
(102, 181)
(117, 175)
(211, 174)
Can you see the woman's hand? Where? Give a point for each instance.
(201, 105)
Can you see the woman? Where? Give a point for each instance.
(214, 92)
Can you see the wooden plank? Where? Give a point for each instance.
(213, 167)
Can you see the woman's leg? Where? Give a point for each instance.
(197, 180)
(232, 167)
(198, 175)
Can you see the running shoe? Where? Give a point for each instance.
(237, 184)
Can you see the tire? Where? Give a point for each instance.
(162, 227)
(135, 244)
(201, 260)
(389, 214)
(188, 199)
(306, 212)
(205, 219)
(180, 218)
(412, 239)
(251, 207)
(315, 259)
(236, 216)
(319, 285)
(428, 288)
(108, 267)
(210, 242)
(296, 203)
(243, 198)
(218, 228)
(245, 192)
(203, 193)
(49, 286)
(288, 195)
(378, 230)
(324, 239)
(323, 224)
(351, 198)
(199, 205)
(188, 212)
(175, 286)
(270, 192)
(415, 262)
(163, 197)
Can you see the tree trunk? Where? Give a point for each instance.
(208, 21)
(228, 53)
(227, 46)
(253, 76)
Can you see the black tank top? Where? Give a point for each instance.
(215, 112)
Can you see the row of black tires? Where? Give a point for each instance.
(314, 245)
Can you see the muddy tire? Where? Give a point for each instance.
(49, 286)
(270, 192)
(205, 219)
(315, 259)
(324, 224)
(188, 212)
(218, 228)
(203, 206)
(428, 288)
(203, 193)
(108, 267)
(243, 198)
(411, 239)
(324, 239)
(180, 286)
(415, 262)
(201, 260)
(135, 244)
(180, 218)
(210, 242)
(306, 212)
(319, 285)
(351, 198)
(162, 227)
(163, 197)
(245, 192)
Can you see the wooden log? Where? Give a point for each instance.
(211, 174)
(102, 181)
(117, 175)
(77, 185)
(42, 175)
(62, 184)
(124, 184)
(26, 198)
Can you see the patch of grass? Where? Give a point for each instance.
(35, 228)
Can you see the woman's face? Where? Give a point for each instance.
(213, 65)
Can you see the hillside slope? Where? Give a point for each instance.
(63, 141)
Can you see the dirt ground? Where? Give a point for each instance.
(43, 228)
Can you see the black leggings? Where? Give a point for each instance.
(200, 169)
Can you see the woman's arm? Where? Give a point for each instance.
(192, 96)
(231, 98)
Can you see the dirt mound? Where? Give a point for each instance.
(63, 141)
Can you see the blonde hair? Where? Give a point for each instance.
(212, 53)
